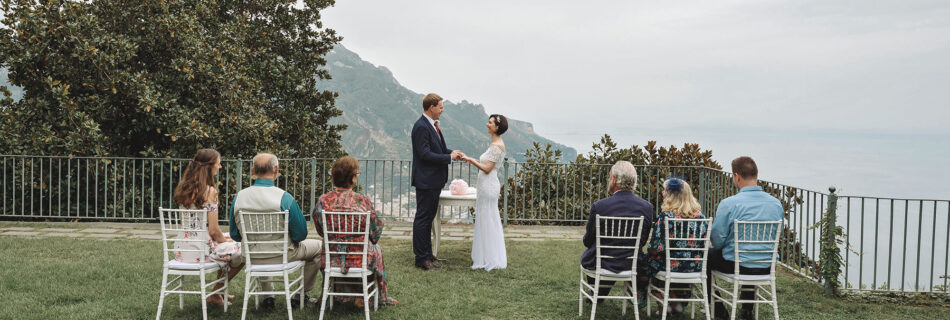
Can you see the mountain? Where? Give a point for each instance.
(379, 113)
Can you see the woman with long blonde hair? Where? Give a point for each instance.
(678, 203)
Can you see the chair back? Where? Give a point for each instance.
(621, 235)
(756, 242)
(344, 232)
(185, 231)
(686, 240)
(264, 235)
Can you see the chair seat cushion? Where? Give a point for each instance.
(605, 272)
(745, 277)
(680, 275)
(350, 272)
(178, 265)
(274, 267)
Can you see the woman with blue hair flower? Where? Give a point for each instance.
(678, 203)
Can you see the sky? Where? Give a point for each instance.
(685, 71)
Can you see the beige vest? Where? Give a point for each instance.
(261, 199)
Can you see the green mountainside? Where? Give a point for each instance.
(380, 113)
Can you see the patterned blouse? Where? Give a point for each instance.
(341, 200)
(656, 261)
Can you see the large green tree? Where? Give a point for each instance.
(164, 77)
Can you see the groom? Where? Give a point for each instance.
(430, 171)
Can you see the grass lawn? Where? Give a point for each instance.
(60, 278)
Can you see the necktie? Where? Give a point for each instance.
(437, 127)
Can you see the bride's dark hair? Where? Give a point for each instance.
(501, 122)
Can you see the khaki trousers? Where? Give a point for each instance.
(307, 251)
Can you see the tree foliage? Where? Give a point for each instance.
(544, 189)
(165, 77)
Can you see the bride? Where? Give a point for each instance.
(488, 245)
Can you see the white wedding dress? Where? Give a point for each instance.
(488, 245)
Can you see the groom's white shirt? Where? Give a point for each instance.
(431, 122)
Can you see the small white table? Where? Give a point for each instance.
(446, 198)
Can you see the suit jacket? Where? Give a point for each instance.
(430, 157)
(622, 204)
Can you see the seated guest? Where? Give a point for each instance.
(678, 203)
(622, 203)
(264, 196)
(345, 171)
(196, 190)
(750, 204)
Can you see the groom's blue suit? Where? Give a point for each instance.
(430, 172)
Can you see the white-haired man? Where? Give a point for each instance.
(622, 203)
(264, 196)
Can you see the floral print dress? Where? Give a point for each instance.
(345, 200)
(217, 253)
(655, 261)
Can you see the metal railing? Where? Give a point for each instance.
(898, 244)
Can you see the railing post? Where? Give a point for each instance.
(504, 207)
(702, 190)
(313, 183)
(239, 178)
(829, 240)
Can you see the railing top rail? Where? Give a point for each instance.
(230, 160)
(895, 199)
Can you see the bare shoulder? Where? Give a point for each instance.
(211, 195)
(500, 146)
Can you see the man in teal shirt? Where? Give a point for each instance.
(264, 196)
(750, 204)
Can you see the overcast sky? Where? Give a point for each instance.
(575, 68)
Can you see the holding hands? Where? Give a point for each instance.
(458, 155)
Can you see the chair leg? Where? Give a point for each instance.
(288, 296)
(692, 304)
(774, 300)
(666, 299)
(161, 297)
(326, 291)
(705, 294)
(301, 282)
(365, 297)
(735, 299)
(181, 296)
(247, 296)
(204, 301)
(596, 294)
(623, 310)
(580, 295)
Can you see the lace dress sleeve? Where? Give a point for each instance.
(495, 154)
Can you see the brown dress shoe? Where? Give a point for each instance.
(436, 259)
(427, 265)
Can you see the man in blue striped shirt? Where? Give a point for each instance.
(750, 204)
